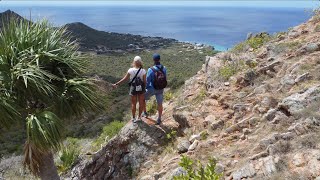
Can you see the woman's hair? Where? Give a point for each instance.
(137, 62)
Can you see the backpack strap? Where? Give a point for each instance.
(134, 78)
(160, 69)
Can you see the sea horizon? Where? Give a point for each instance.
(219, 26)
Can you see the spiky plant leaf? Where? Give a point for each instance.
(44, 130)
(79, 96)
(8, 113)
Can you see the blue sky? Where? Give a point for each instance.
(237, 3)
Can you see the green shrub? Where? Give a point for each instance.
(227, 71)
(168, 96)
(204, 135)
(257, 42)
(317, 28)
(68, 155)
(239, 47)
(197, 171)
(108, 131)
(171, 135)
(254, 42)
(231, 68)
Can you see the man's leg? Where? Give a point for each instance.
(159, 97)
(147, 96)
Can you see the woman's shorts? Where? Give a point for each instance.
(132, 91)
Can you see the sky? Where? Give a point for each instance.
(237, 3)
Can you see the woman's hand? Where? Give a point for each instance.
(115, 86)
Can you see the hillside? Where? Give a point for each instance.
(255, 109)
(110, 42)
(6, 16)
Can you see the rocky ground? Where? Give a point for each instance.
(263, 123)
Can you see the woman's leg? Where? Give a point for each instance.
(133, 106)
(141, 104)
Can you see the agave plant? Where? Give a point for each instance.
(42, 85)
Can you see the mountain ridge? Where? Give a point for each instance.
(101, 42)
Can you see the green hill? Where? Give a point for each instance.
(104, 42)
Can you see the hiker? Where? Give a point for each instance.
(137, 83)
(156, 82)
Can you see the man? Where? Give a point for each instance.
(156, 82)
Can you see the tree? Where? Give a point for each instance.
(42, 85)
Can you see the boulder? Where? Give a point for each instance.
(298, 160)
(269, 102)
(147, 177)
(209, 120)
(183, 146)
(217, 124)
(269, 116)
(130, 148)
(298, 101)
(293, 34)
(219, 168)
(181, 119)
(287, 80)
(178, 171)
(247, 171)
(302, 77)
(261, 89)
(193, 146)
(194, 137)
(312, 47)
(298, 128)
(280, 117)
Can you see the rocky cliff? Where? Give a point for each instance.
(261, 122)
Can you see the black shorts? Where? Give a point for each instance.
(133, 92)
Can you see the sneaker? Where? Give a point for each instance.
(134, 120)
(145, 114)
(158, 121)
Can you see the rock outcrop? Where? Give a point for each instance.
(261, 123)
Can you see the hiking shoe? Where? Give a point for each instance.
(158, 121)
(134, 120)
(139, 119)
(145, 114)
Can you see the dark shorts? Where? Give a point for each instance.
(153, 92)
(132, 91)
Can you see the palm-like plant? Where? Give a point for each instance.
(41, 84)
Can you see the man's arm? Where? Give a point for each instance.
(149, 77)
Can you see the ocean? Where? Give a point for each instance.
(222, 27)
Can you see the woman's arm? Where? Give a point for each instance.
(125, 78)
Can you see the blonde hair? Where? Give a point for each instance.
(137, 62)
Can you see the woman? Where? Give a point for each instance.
(137, 83)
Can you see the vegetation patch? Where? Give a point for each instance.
(168, 96)
(231, 68)
(108, 132)
(197, 171)
(284, 46)
(254, 43)
(68, 155)
(317, 28)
